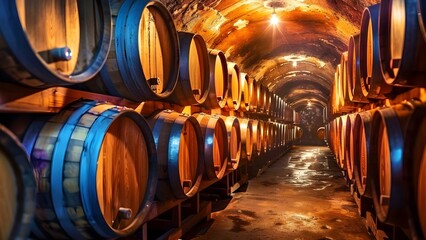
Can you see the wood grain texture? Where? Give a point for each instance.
(219, 146)
(51, 24)
(152, 49)
(385, 172)
(8, 196)
(188, 157)
(122, 173)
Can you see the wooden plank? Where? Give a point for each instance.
(17, 98)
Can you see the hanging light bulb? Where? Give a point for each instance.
(294, 63)
(274, 18)
(309, 103)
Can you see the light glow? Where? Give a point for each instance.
(274, 19)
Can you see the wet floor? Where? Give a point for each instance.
(301, 196)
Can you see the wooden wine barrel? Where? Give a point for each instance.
(17, 188)
(342, 145)
(373, 84)
(234, 140)
(354, 74)
(143, 63)
(321, 133)
(194, 70)
(234, 92)
(215, 145)
(401, 44)
(96, 169)
(361, 137)
(257, 136)
(218, 85)
(260, 98)
(50, 43)
(179, 143)
(415, 170)
(345, 103)
(266, 133)
(336, 91)
(254, 94)
(386, 156)
(268, 98)
(245, 92)
(350, 145)
(246, 129)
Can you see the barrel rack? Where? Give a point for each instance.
(166, 219)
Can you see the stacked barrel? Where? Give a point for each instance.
(95, 168)
(375, 138)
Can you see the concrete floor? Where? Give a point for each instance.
(301, 196)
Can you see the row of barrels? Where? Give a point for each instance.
(384, 152)
(128, 49)
(94, 169)
(385, 58)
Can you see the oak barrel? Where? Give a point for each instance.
(245, 92)
(234, 140)
(17, 188)
(246, 129)
(143, 63)
(218, 85)
(179, 143)
(387, 164)
(321, 133)
(350, 145)
(49, 43)
(215, 145)
(402, 47)
(253, 91)
(354, 73)
(95, 165)
(257, 136)
(193, 81)
(373, 84)
(234, 92)
(341, 139)
(361, 136)
(260, 93)
(415, 170)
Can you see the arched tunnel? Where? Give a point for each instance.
(295, 57)
(214, 119)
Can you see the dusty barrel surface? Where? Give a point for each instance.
(350, 145)
(246, 138)
(234, 87)
(215, 145)
(95, 165)
(373, 85)
(354, 73)
(402, 47)
(218, 86)
(17, 188)
(361, 136)
(386, 155)
(193, 81)
(179, 143)
(143, 63)
(50, 43)
(234, 140)
(260, 93)
(415, 170)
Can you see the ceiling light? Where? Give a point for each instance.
(294, 63)
(274, 19)
(309, 103)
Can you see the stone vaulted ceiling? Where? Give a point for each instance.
(296, 58)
